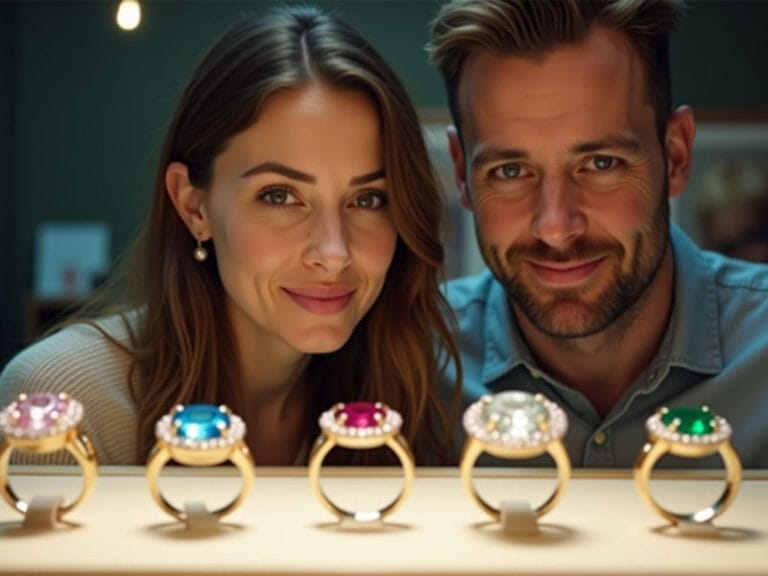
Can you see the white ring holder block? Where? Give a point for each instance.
(696, 528)
(518, 518)
(198, 518)
(42, 511)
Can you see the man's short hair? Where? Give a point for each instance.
(533, 28)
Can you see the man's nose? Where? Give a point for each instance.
(558, 218)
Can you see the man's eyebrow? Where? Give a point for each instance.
(282, 169)
(497, 154)
(619, 142)
(294, 174)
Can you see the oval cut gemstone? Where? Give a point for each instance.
(200, 422)
(360, 415)
(40, 410)
(692, 421)
(515, 413)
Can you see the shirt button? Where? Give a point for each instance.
(599, 438)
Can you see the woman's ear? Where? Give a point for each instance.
(681, 131)
(187, 199)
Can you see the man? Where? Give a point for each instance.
(567, 150)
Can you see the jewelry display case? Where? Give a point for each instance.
(601, 525)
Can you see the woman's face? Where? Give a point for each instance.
(297, 212)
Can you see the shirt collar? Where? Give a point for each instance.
(504, 346)
(695, 324)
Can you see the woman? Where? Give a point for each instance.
(291, 259)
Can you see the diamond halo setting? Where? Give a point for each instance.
(40, 415)
(689, 426)
(361, 420)
(515, 419)
(200, 427)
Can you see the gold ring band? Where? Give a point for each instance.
(200, 435)
(361, 425)
(515, 425)
(688, 433)
(41, 423)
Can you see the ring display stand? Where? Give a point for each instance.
(281, 529)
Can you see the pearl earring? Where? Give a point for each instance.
(200, 253)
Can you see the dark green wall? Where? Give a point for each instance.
(83, 105)
(83, 108)
(719, 55)
(11, 286)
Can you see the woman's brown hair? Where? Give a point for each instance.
(183, 347)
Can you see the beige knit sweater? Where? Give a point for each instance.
(81, 361)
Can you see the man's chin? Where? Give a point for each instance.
(566, 320)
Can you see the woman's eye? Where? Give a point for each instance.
(370, 200)
(278, 196)
(508, 171)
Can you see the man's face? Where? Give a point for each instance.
(562, 166)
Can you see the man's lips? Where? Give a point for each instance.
(321, 299)
(564, 273)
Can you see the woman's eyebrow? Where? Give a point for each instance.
(294, 174)
(366, 178)
(281, 169)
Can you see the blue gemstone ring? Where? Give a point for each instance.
(200, 435)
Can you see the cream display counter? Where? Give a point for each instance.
(600, 527)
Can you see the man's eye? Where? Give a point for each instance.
(603, 162)
(507, 171)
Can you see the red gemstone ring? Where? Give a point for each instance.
(40, 423)
(361, 426)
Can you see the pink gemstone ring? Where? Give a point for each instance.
(361, 426)
(40, 423)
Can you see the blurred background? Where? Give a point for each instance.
(84, 104)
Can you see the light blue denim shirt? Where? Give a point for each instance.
(715, 352)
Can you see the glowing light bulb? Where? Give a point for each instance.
(128, 14)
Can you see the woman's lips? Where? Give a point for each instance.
(562, 274)
(321, 299)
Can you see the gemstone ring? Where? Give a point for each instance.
(360, 425)
(40, 423)
(688, 432)
(200, 435)
(515, 425)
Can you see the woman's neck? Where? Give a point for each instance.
(272, 386)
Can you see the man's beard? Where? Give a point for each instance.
(564, 313)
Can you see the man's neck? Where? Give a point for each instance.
(604, 365)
